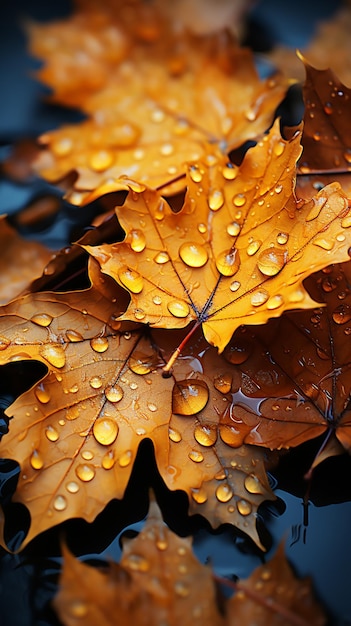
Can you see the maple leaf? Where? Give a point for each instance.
(21, 261)
(295, 372)
(238, 250)
(150, 111)
(159, 580)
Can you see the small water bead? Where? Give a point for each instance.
(206, 434)
(271, 261)
(105, 430)
(224, 492)
(157, 116)
(72, 413)
(189, 397)
(233, 229)
(234, 286)
(87, 455)
(193, 254)
(125, 459)
(4, 343)
(239, 199)
(161, 258)
(95, 382)
(62, 147)
(60, 503)
(139, 314)
(328, 284)
(259, 297)
(266, 574)
(72, 487)
(202, 228)
(181, 589)
(108, 460)
(131, 279)
(195, 173)
(99, 344)
(279, 148)
(141, 363)
(167, 149)
(342, 314)
(157, 300)
(215, 199)
(42, 319)
(253, 247)
(54, 354)
(282, 238)
(275, 302)
(244, 507)
(199, 495)
(328, 108)
(36, 460)
(137, 240)
(346, 221)
(278, 188)
(195, 456)
(78, 609)
(114, 393)
(42, 394)
(178, 309)
(85, 472)
(174, 435)
(51, 433)
(73, 336)
(136, 562)
(252, 484)
(223, 383)
(238, 352)
(340, 237)
(228, 262)
(101, 160)
(152, 407)
(229, 171)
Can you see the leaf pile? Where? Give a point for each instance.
(217, 316)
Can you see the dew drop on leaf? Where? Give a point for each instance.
(224, 492)
(157, 300)
(228, 262)
(193, 254)
(87, 455)
(178, 308)
(223, 383)
(202, 228)
(42, 319)
(342, 314)
(195, 173)
(51, 433)
(282, 238)
(233, 229)
(105, 430)
(4, 343)
(99, 344)
(101, 160)
(235, 285)
(253, 247)
(199, 495)
(54, 354)
(230, 435)
(238, 352)
(244, 507)
(140, 363)
(125, 458)
(252, 484)
(275, 302)
(72, 413)
(114, 393)
(85, 472)
(137, 563)
(137, 240)
(229, 171)
(325, 244)
(36, 460)
(73, 336)
(95, 382)
(215, 199)
(271, 261)
(139, 314)
(108, 460)
(78, 609)
(196, 456)
(42, 394)
(279, 148)
(72, 487)
(189, 397)
(206, 434)
(174, 435)
(131, 280)
(259, 297)
(161, 258)
(60, 503)
(239, 199)
(181, 589)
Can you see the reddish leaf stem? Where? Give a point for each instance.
(179, 349)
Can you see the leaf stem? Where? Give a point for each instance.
(179, 349)
(170, 182)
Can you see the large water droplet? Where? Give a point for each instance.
(125, 458)
(131, 280)
(342, 314)
(60, 503)
(174, 435)
(230, 435)
(87, 455)
(101, 160)
(36, 460)
(239, 199)
(42, 394)
(199, 495)
(53, 354)
(105, 430)
(282, 238)
(137, 240)
(196, 456)
(271, 261)
(73, 336)
(252, 484)
(85, 472)
(42, 319)
(108, 460)
(189, 397)
(99, 344)
(193, 254)
(178, 309)
(51, 433)
(238, 352)
(244, 507)
(253, 247)
(114, 393)
(215, 199)
(228, 262)
(223, 383)
(229, 171)
(224, 492)
(206, 434)
(279, 148)
(141, 363)
(95, 382)
(259, 297)
(161, 258)
(72, 487)
(233, 229)
(325, 244)
(195, 173)
(275, 302)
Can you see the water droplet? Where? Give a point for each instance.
(131, 280)
(223, 383)
(282, 238)
(342, 314)
(125, 458)
(239, 199)
(42, 394)
(105, 430)
(157, 116)
(328, 108)
(346, 221)
(195, 456)
(85, 472)
(72, 486)
(99, 344)
(53, 354)
(266, 574)
(206, 434)
(87, 455)
(234, 286)
(296, 296)
(4, 343)
(253, 247)
(271, 261)
(252, 484)
(51, 433)
(174, 435)
(95, 382)
(278, 188)
(74, 336)
(78, 609)
(152, 407)
(224, 492)
(178, 309)
(42, 319)
(193, 254)
(101, 160)
(199, 495)
(215, 199)
(36, 460)
(72, 413)
(62, 147)
(137, 240)
(229, 171)
(114, 393)
(328, 284)
(139, 314)
(238, 352)
(195, 173)
(60, 503)
(141, 363)
(136, 562)
(347, 155)
(181, 589)
(244, 507)
(189, 397)
(161, 258)
(259, 297)
(157, 300)
(228, 262)
(233, 229)
(167, 149)
(275, 302)
(108, 460)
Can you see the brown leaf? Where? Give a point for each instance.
(238, 250)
